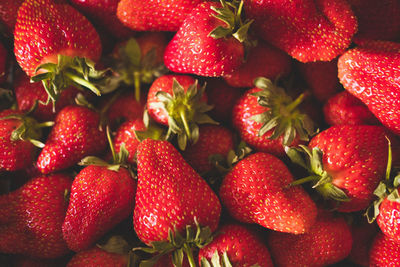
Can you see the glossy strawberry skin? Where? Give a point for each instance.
(45, 28)
(31, 217)
(8, 14)
(170, 194)
(75, 134)
(257, 190)
(368, 72)
(243, 246)
(192, 51)
(388, 218)
(384, 252)
(328, 241)
(95, 256)
(154, 15)
(307, 30)
(14, 155)
(126, 135)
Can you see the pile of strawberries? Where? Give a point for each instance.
(199, 133)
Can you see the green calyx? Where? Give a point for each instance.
(283, 115)
(311, 160)
(179, 245)
(225, 164)
(186, 110)
(153, 131)
(231, 14)
(217, 261)
(76, 71)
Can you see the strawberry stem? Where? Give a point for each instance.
(182, 114)
(389, 163)
(82, 82)
(114, 155)
(311, 178)
(137, 77)
(295, 103)
(189, 254)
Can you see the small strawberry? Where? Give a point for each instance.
(307, 30)
(153, 15)
(344, 108)
(209, 41)
(384, 252)
(264, 60)
(328, 241)
(172, 198)
(75, 134)
(237, 244)
(8, 14)
(257, 190)
(369, 72)
(177, 102)
(267, 118)
(31, 217)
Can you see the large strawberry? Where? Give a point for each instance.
(31, 217)
(257, 190)
(328, 241)
(171, 197)
(205, 44)
(384, 252)
(307, 30)
(369, 72)
(56, 44)
(75, 134)
(237, 244)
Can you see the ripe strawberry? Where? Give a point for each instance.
(344, 108)
(257, 190)
(368, 72)
(75, 134)
(384, 252)
(8, 14)
(264, 60)
(242, 247)
(3, 60)
(31, 217)
(170, 197)
(267, 118)
(328, 241)
(153, 15)
(307, 30)
(97, 257)
(204, 44)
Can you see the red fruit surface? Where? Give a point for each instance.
(75, 134)
(307, 30)
(388, 219)
(95, 257)
(384, 252)
(31, 218)
(3, 61)
(126, 135)
(8, 14)
(243, 247)
(328, 241)
(154, 15)
(192, 50)
(369, 72)
(257, 190)
(170, 194)
(46, 28)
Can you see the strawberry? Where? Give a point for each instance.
(344, 108)
(75, 134)
(257, 190)
(154, 15)
(384, 252)
(8, 14)
(205, 44)
(305, 29)
(178, 102)
(240, 245)
(171, 198)
(267, 118)
(264, 60)
(3, 60)
(57, 45)
(213, 140)
(31, 217)
(369, 72)
(328, 241)
(346, 163)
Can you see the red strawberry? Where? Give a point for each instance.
(266, 118)
(344, 108)
(31, 218)
(75, 134)
(257, 190)
(170, 197)
(369, 72)
(328, 241)
(3, 60)
(307, 30)
(204, 44)
(264, 60)
(153, 15)
(242, 247)
(384, 252)
(8, 14)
